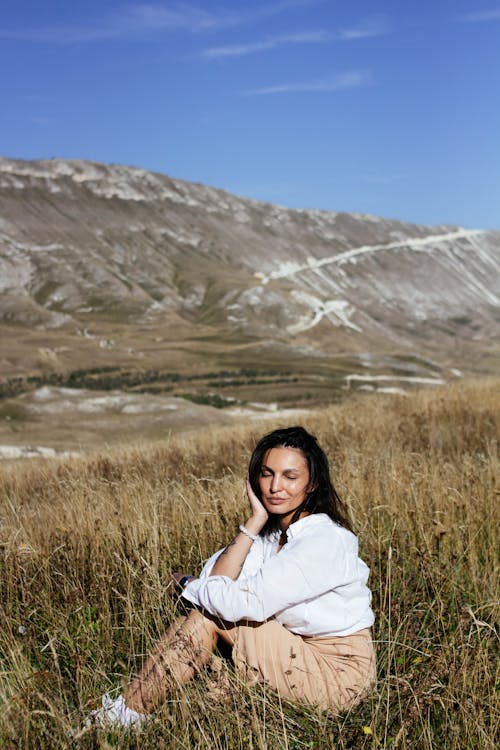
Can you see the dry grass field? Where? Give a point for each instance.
(88, 544)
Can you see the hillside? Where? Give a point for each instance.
(130, 268)
(116, 279)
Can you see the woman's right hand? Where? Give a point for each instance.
(232, 559)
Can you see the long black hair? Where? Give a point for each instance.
(322, 497)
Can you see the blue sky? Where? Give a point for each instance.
(389, 108)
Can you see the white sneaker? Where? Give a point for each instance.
(115, 713)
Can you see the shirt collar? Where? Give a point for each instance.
(295, 529)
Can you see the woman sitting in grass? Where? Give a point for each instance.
(288, 594)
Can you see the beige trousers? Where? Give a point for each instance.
(331, 673)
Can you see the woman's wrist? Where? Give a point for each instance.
(247, 533)
(255, 524)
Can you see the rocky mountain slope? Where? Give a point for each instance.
(112, 266)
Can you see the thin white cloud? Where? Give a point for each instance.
(134, 20)
(240, 50)
(266, 10)
(145, 18)
(348, 80)
(154, 17)
(369, 27)
(482, 16)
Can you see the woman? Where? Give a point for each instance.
(288, 594)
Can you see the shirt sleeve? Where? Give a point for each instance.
(253, 561)
(308, 566)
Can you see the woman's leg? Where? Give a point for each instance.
(186, 647)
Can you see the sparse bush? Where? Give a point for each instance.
(209, 399)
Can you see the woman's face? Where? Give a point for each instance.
(284, 480)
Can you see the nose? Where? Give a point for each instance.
(275, 483)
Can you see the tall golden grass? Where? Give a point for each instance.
(88, 546)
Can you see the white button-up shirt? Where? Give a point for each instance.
(315, 586)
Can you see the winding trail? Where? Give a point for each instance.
(414, 244)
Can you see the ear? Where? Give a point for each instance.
(312, 487)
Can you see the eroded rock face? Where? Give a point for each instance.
(82, 241)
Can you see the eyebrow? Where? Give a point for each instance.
(264, 466)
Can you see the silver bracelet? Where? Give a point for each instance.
(247, 533)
